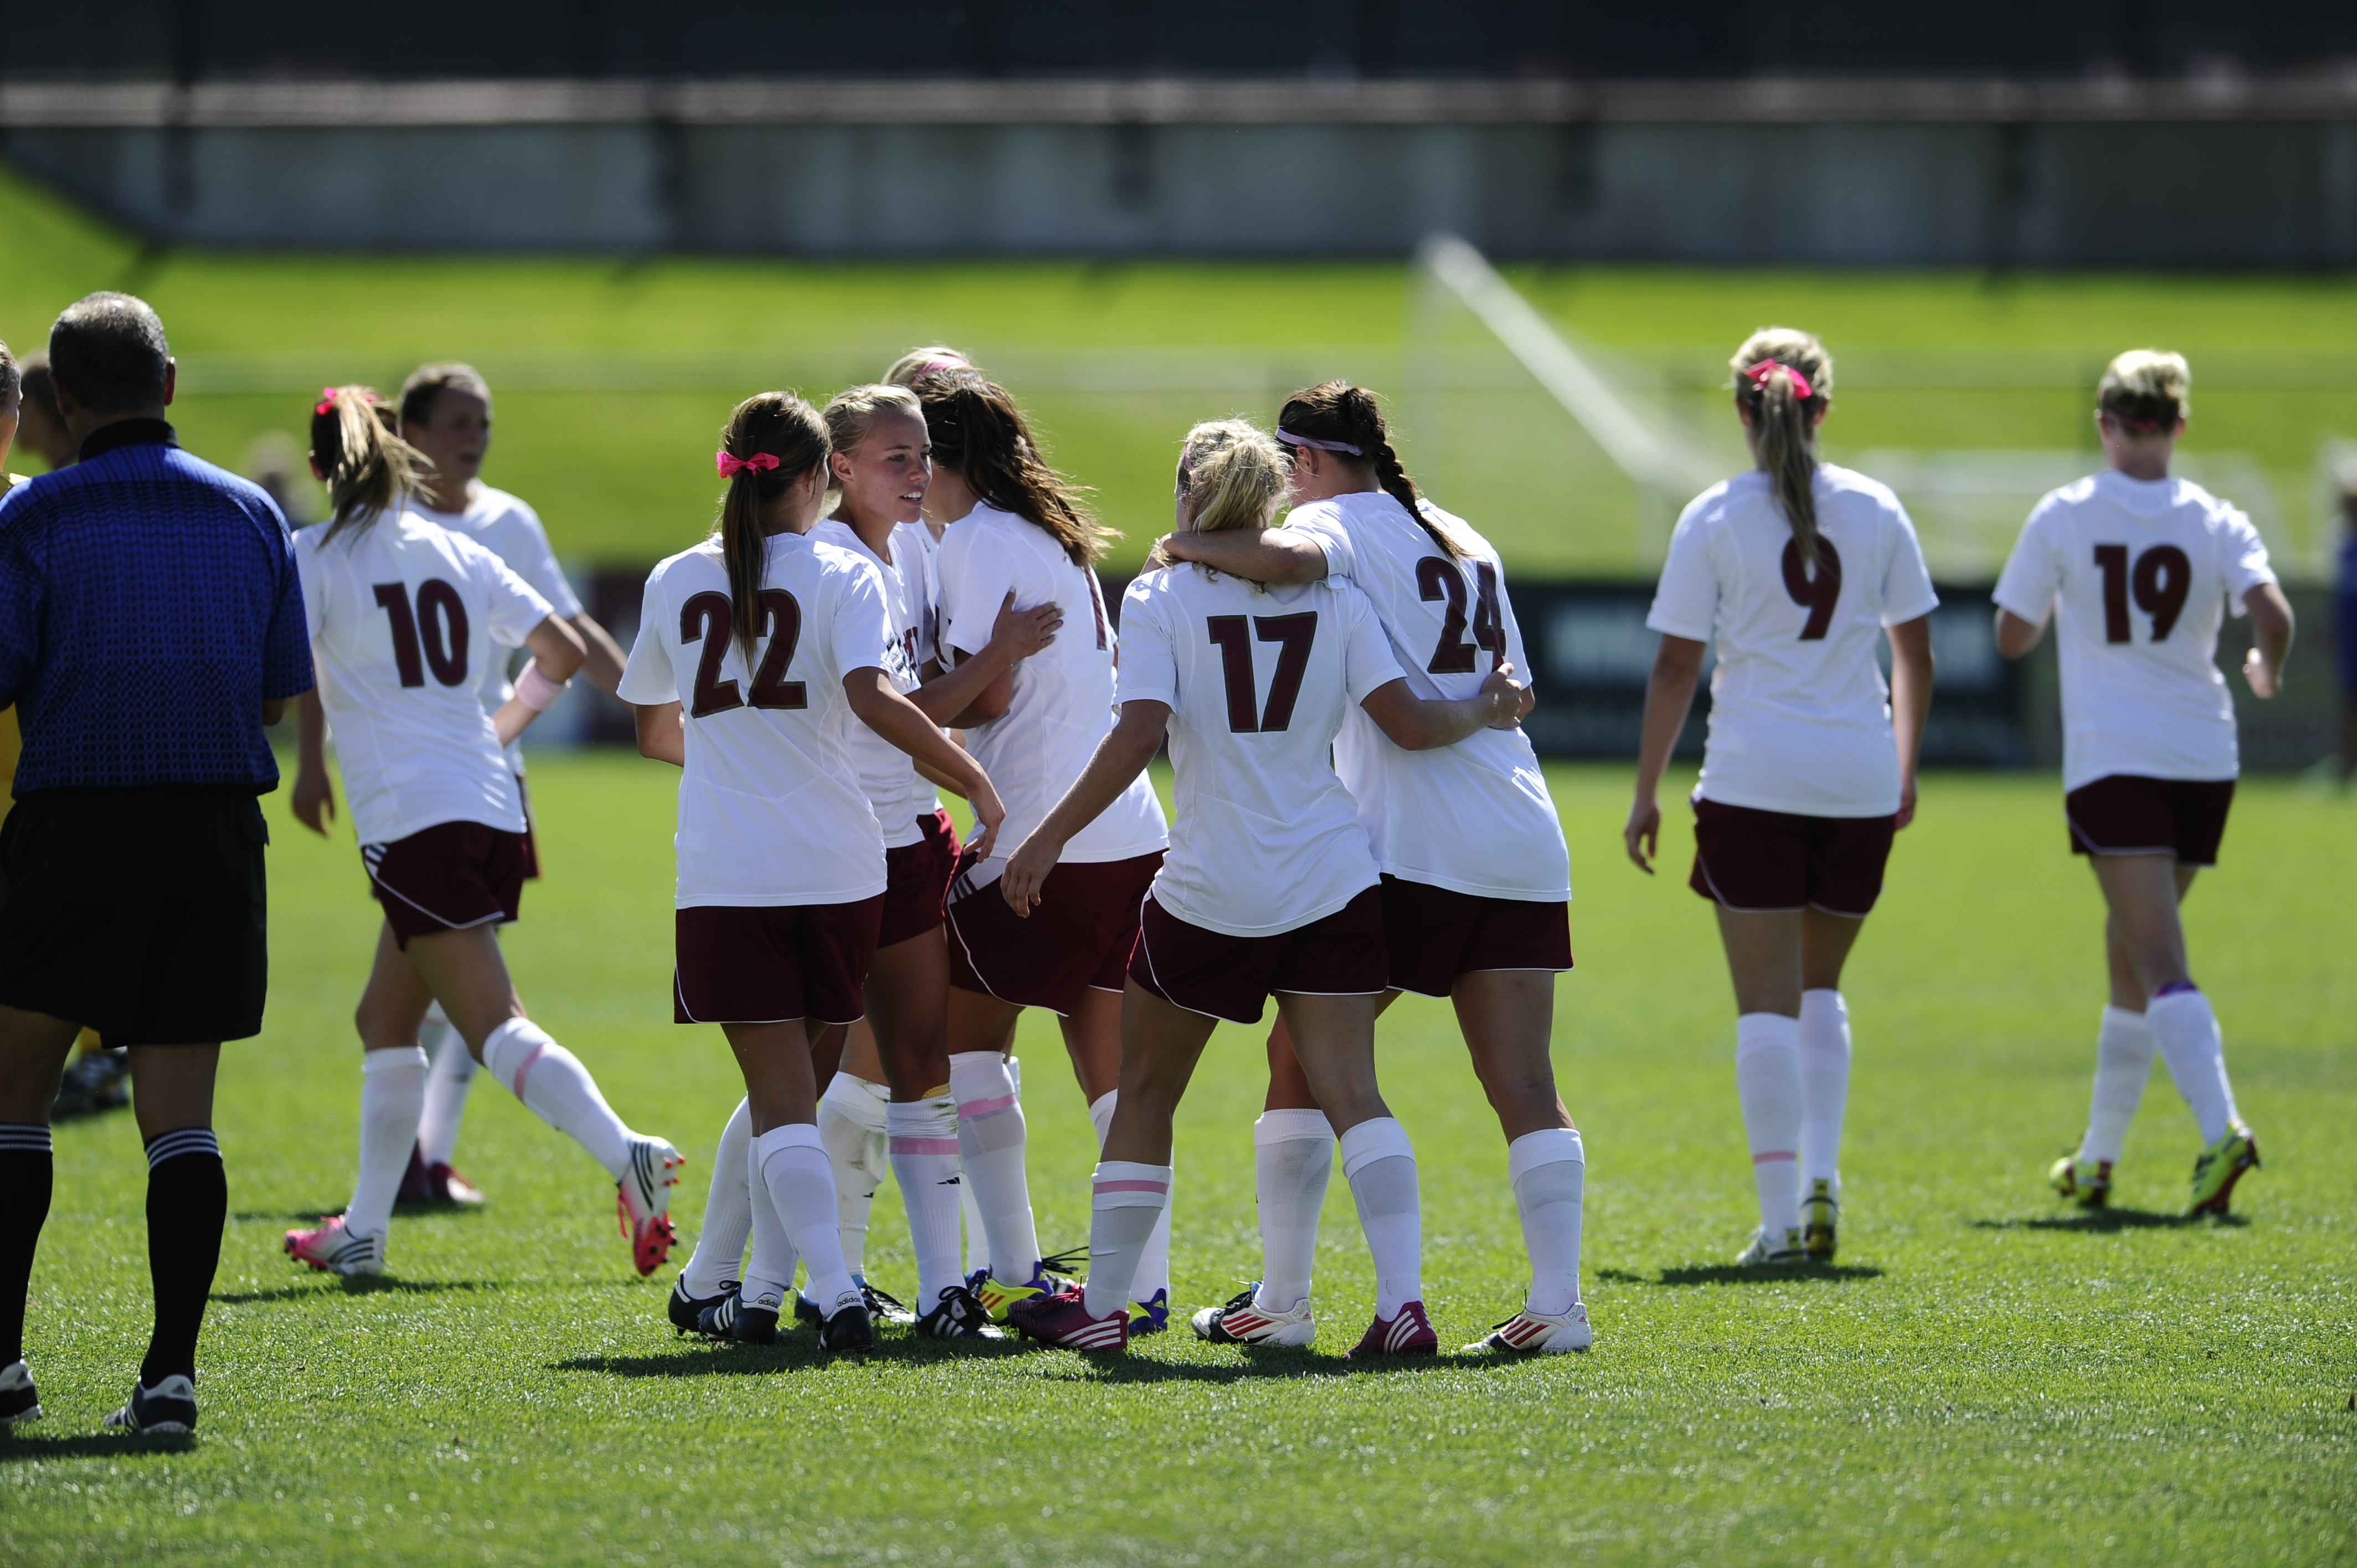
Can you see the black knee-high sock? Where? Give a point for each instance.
(188, 1203)
(24, 1177)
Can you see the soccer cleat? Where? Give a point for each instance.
(336, 1250)
(740, 1322)
(806, 1312)
(848, 1327)
(1529, 1332)
(1819, 1212)
(98, 1081)
(1242, 1322)
(883, 1307)
(438, 1184)
(1064, 1320)
(1150, 1317)
(2219, 1168)
(168, 1410)
(997, 1298)
(19, 1400)
(642, 1200)
(1408, 1333)
(687, 1311)
(1763, 1253)
(957, 1315)
(2087, 1182)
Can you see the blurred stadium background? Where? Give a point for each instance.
(627, 217)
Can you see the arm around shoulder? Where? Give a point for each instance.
(1276, 556)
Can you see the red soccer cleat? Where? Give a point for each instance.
(1409, 1334)
(1063, 1319)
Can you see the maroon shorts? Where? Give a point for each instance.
(447, 877)
(917, 878)
(773, 964)
(531, 842)
(1434, 935)
(1230, 977)
(1757, 862)
(2123, 813)
(1078, 938)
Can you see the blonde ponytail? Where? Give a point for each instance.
(1231, 473)
(370, 469)
(1784, 379)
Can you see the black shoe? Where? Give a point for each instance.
(687, 1311)
(806, 1312)
(958, 1316)
(98, 1081)
(168, 1410)
(884, 1308)
(738, 1321)
(19, 1400)
(849, 1328)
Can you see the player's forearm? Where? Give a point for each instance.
(947, 695)
(1669, 696)
(1270, 557)
(1119, 758)
(604, 664)
(1911, 690)
(310, 730)
(2271, 624)
(899, 721)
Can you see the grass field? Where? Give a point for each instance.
(1985, 1378)
(613, 375)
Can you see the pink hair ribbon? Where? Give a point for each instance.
(326, 403)
(1759, 374)
(759, 462)
(1290, 440)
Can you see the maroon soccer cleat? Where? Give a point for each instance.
(1409, 1334)
(1063, 1319)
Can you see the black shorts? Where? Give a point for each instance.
(1077, 940)
(2125, 813)
(773, 963)
(1757, 862)
(1434, 935)
(451, 876)
(1220, 976)
(140, 913)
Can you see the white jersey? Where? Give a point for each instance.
(1799, 715)
(896, 791)
(1266, 837)
(1063, 700)
(771, 809)
(403, 617)
(509, 530)
(1475, 817)
(2138, 573)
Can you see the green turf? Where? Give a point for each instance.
(1985, 1378)
(613, 376)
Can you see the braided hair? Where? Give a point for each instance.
(1351, 416)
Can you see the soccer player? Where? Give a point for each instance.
(2137, 570)
(1018, 528)
(1270, 887)
(1797, 569)
(782, 874)
(446, 415)
(1476, 881)
(402, 614)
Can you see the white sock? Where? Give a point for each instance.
(977, 1236)
(556, 1087)
(2123, 1048)
(2186, 1031)
(1824, 1085)
(799, 1183)
(1154, 1266)
(393, 1089)
(446, 1083)
(1548, 1169)
(991, 1138)
(728, 1212)
(1293, 1159)
(1380, 1164)
(851, 1126)
(1768, 1079)
(769, 1266)
(1126, 1201)
(924, 1152)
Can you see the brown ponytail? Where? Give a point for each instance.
(369, 470)
(1339, 413)
(979, 434)
(778, 426)
(1784, 379)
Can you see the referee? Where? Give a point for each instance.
(151, 624)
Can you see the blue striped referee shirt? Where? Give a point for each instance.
(148, 608)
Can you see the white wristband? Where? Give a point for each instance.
(536, 690)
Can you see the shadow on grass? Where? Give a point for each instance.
(790, 1355)
(2102, 1221)
(365, 1284)
(1737, 1275)
(20, 1444)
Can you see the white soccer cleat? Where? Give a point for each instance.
(642, 1201)
(1784, 1251)
(335, 1250)
(1529, 1332)
(1240, 1322)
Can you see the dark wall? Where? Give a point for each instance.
(198, 39)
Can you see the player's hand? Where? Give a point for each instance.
(1510, 695)
(1643, 836)
(989, 816)
(1906, 804)
(2265, 680)
(315, 799)
(1026, 632)
(1027, 872)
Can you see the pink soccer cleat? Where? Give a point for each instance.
(1409, 1334)
(642, 1200)
(336, 1250)
(1063, 1319)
